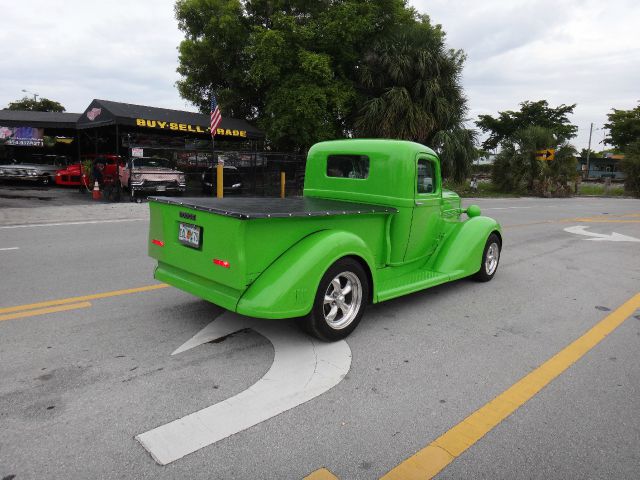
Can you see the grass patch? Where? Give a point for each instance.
(600, 189)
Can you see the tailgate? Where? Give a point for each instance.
(211, 247)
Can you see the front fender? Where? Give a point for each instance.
(461, 252)
(287, 288)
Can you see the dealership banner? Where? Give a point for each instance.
(22, 136)
(186, 127)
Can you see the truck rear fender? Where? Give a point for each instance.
(287, 288)
(461, 253)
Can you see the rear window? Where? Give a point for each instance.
(348, 166)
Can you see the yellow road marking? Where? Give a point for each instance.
(432, 459)
(43, 311)
(321, 474)
(94, 296)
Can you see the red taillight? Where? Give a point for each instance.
(160, 243)
(222, 263)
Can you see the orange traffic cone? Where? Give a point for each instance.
(96, 191)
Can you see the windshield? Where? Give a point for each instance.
(156, 162)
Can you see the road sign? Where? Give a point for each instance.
(547, 154)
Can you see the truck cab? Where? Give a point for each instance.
(399, 174)
(374, 223)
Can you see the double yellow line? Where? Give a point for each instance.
(65, 304)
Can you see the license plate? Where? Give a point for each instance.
(161, 188)
(189, 235)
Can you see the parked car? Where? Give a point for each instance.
(69, 176)
(232, 180)
(151, 175)
(41, 169)
(375, 223)
(72, 174)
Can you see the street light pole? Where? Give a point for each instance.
(35, 95)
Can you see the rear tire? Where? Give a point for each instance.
(339, 302)
(490, 259)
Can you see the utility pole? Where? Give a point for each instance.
(589, 150)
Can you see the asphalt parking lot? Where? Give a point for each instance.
(87, 336)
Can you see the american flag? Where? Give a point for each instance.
(216, 116)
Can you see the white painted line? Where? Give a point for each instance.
(87, 222)
(517, 208)
(212, 331)
(9, 248)
(302, 369)
(614, 237)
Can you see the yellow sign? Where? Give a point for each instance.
(547, 154)
(185, 127)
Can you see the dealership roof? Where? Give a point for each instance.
(101, 113)
(106, 112)
(17, 118)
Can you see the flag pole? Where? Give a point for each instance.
(215, 121)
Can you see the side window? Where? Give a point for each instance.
(426, 180)
(348, 166)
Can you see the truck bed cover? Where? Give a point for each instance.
(251, 208)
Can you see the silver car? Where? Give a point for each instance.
(41, 170)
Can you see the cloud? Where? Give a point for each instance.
(80, 50)
(583, 52)
(574, 51)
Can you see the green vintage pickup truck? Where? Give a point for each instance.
(374, 224)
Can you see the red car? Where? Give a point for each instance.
(72, 174)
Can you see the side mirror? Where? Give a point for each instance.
(473, 211)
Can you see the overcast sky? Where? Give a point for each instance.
(565, 51)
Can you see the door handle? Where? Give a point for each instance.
(419, 203)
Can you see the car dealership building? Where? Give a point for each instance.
(107, 127)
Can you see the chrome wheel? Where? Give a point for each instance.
(342, 300)
(491, 261)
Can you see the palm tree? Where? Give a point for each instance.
(411, 85)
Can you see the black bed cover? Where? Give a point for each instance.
(247, 208)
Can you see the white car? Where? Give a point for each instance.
(151, 175)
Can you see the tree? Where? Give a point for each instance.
(308, 70)
(411, 83)
(591, 153)
(287, 64)
(538, 114)
(41, 105)
(624, 127)
(631, 167)
(517, 169)
(624, 135)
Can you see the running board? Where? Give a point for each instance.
(412, 282)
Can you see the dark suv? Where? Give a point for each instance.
(231, 177)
